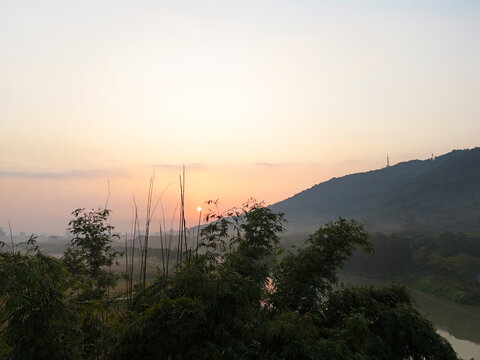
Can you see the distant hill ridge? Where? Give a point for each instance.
(440, 194)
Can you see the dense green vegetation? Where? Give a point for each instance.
(435, 195)
(445, 264)
(233, 298)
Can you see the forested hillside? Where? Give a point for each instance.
(439, 194)
(445, 264)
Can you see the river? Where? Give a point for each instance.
(459, 324)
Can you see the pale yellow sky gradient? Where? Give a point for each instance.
(98, 90)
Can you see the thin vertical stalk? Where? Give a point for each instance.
(162, 248)
(180, 225)
(126, 264)
(170, 237)
(147, 228)
(11, 235)
(183, 211)
(198, 231)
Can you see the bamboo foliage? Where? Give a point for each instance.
(140, 240)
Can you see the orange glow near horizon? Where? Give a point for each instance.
(262, 99)
(44, 205)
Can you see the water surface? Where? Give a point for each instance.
(459, 324)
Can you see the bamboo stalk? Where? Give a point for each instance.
(147, 228)
(170, 238)
(161, 248)
(126, 264)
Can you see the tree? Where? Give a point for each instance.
(88, 258)
(171, 328)
(227, 276)
(37, 320)
(382, 324)
(90, 253)
(223, 291)
(304, 278)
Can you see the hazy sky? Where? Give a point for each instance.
(257, 98)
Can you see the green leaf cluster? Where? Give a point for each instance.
(233, 298)
(37, 320)
(246, 304)
(90, 253)
(445, 264)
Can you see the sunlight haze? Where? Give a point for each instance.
(256, 98)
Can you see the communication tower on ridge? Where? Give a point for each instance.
(388, 161)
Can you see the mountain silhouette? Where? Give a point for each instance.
(439, 194)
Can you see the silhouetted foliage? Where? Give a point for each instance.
(37, 321)
(446, 264)
(302, 279)
(90, 253)
(88, 258)
(246, 306)
(229, 299)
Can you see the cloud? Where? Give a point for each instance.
(213, 166)
(283, 164)
(178, 166)
(267, 164)
(73, 174)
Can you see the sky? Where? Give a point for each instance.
(257, 98)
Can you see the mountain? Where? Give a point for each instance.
(439, 194)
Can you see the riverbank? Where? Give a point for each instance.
(459, 324)
(446, 265)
